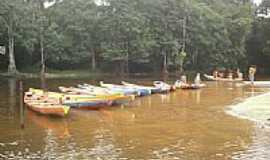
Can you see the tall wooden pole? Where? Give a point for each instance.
(21, 105)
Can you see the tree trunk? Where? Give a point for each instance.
(122, 68)
(181, 68)
(93, 59)
(41, 38)
(43, 66)
(127, 66)
(165, 65)
(127, 62)
(12, 66)
(195, 58)
(184, 34)
(183, 45)
(127, 56)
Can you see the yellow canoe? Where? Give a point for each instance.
(117, 98)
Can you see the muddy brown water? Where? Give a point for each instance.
(190, 124)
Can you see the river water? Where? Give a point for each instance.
(187, 125)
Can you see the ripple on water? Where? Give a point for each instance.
(103, 148)
(260, 147)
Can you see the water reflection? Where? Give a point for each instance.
(43, 83)
(12, 98)
(51, 145)
(260, 147)
(104, 145)
(58, 127)
(252, 91)
(110, 117)
(198, 96)
(165, 98)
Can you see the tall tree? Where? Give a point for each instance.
(9, 15)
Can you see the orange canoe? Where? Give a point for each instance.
(48, 108)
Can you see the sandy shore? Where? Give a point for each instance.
(255, 108)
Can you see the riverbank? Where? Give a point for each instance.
(55, 74)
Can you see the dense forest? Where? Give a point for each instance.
(131, 36)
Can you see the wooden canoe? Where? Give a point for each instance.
(120, 88)
(142, 91)
(82, 91)
(76, 91)
(180, 85)
(88, 101)
(192, 86)
(164, 86)
(97, 90)
(221, 79)
(117, 99)
(48, 108)
(75, 101)
(151, 88)
(64, 96)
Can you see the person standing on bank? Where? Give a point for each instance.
(197, 80)
(251, 73)
(239, 75)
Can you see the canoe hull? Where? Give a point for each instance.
(120, 100)
(120, 89)
(180, 85)
(89, 104)
(142, 92)
(152, 89)
(191, 87)
(156, 90)
(116, 98)
(221, 79)
(54, 110)
(164, 87)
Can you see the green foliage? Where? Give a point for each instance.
(257, 46)
(180, 57)
(191, 33)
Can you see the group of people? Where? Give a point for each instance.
(183, 81)
(230, 75)
(238, 75)
(223, 75)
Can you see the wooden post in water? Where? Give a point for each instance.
(21, 106)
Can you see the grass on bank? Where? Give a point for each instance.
(55, 74)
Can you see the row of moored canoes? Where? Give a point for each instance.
(86, 96)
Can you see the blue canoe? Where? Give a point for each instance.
(126, 90)
(89, 104)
